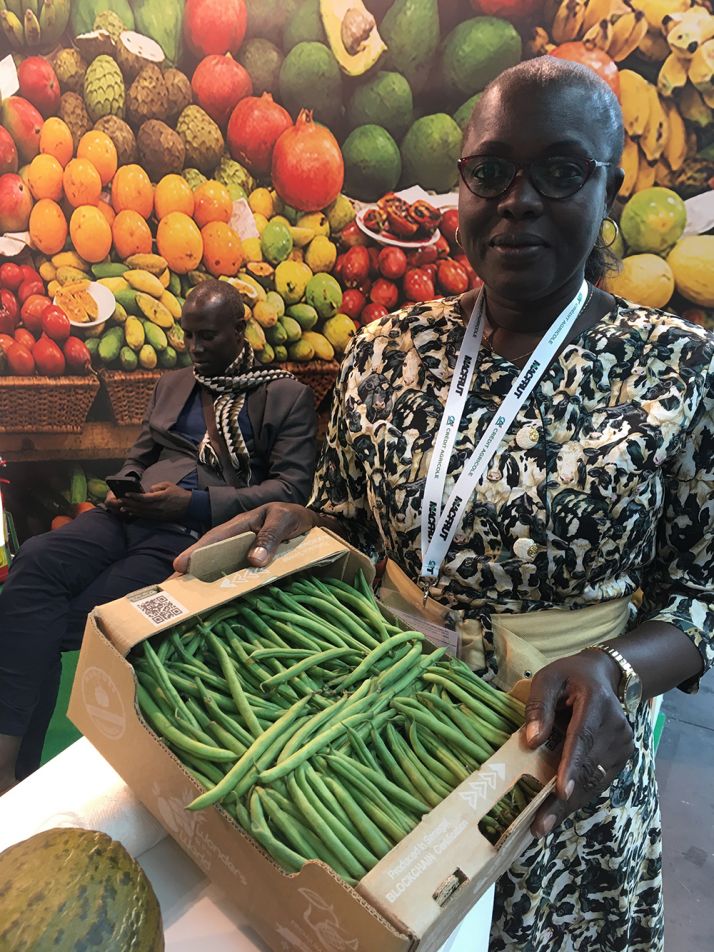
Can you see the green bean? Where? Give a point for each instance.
(365, 616)
(429, 791)
(290, 653)
(379, 652)
(317, 784)
(310, 642)
(416, 712)
(390, 688)
(163, 726)
(256, 673)
(259, 626)
(226, 739)
(222, 718)
(313, 725)
(358, 603)
(304, 665)
(393, 769)
(259, 746)
(462, 675)
(207, 676)
(236, 689)
(361, 750)
(452, 763)
(162, 678)
(217, 616)
(479, 708)
(480, 734)
(367, 828)
(198, 712)
(286, 857)
(207, 769)
(196, 733)
(324, 830)
(189, 687)
(293, 612)
(433, 765)
(339, 617)
(392, 821)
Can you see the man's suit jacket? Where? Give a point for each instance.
(282, 415)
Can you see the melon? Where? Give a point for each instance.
(372, 163)
(430, 151)
(475, 52)
(384, 100)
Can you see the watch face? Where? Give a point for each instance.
(632, 693)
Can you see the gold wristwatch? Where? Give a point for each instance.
(630, 687)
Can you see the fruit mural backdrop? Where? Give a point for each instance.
(154, 143)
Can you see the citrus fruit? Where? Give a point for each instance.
(56, 140)
(106, 209)
(692, 261)
(132, 189)
(653, 220)
(48, 227)
(644, 279)
(45, 177)
(82, 184)
(98, 148)
(90, 233)
(212, 203)
(222, 251)
(173, 194)
(179, 241)
(131, 234)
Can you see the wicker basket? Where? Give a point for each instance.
(46, 404)
(129, 393)
(318, 375)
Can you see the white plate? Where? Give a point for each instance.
(387, 240)
(105, 301)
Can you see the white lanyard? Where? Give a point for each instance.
(440, 525)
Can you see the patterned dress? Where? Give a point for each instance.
(604, 485)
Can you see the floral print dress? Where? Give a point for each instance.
(603, 486)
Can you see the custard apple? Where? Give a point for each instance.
(104, 92)
(70, 67)
(230, 173)
(194, 178)
(202, 138)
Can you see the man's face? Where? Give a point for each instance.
(213, 337)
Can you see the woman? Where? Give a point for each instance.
(601, 484)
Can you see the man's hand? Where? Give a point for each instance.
(273, 523)
(112, 503)
(164, 502)
(598, 741)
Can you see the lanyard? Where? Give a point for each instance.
(440, 525)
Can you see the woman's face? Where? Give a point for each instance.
(524, 246)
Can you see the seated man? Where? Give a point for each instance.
(219, 438)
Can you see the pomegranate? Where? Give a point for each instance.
(32, 310)
(451, 277)
(353, 302)
(392, 263)
(595, 58)
(49, 359)
(255, 125)
(352, 235)
(218, 84)
(384, 292)
(15, 203)
(39, 85)
(449, 225)
(8, 152)
(418, 285)
(308, 170)
(355, 268)
(55, 324)
(20, 361)
(24, 337)
(214, 26)
(373, 312)
(9, 302)
(11, 276)
(79, 360)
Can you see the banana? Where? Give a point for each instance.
(630, 164)
(672, 75)
(654, 138)
(653, 47)
(663, 174)
(646, 175)
(597, 10)
(52, 22)
(708, 98)
(701, 68)
(12, 28)
(635, 100)
(675, 151)
(539, 43)
(657, 10)
(694, 107)
(568, 21)
(15, 6)
(69, 259)
(600, 35)
(31, 25)
(627, 34)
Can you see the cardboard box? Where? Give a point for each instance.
(417, 894)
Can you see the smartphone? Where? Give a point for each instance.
(121, 485)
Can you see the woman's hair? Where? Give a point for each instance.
(552, 73)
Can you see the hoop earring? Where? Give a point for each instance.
(457, 238)
(616, 232)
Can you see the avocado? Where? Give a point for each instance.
(430, 151)
(311, 79)
(262, 61)
(266, 18)
(463, 113)
(352, 34)
(372, 163)
(304, 26)
(410, 29)
(384, 99)
(474, 54)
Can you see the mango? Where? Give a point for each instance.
(174, 335)
(110, 344)
(148, 358)
(134, 333)
(168, 358)
(265, 314)
(301, 351)
(155, 336)
(154, 264)
(276, 301)
(276, 335)
(281, 354)
(144, 281)
(305, 315)
(320, 344)
(293, 331)
(291, 281)
(154, 310)
(255, 335)
(69, 259)
(266, 355)
(127, 299)
(114, 284)
(128, 359)
(171, 303)
(338, 330)
(109, 269)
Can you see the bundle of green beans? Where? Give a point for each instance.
(322, 727)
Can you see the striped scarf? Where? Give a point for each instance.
(229, 392)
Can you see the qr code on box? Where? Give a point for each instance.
(159, 608)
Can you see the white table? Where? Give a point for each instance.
(79, 788)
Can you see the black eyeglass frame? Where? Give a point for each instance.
(588, 165)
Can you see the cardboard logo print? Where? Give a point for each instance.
(103, 703)
(322, 921)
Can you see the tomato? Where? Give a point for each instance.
(373, 262)
(7, 321)
(55, 323)
(31, 312)
(9, 302)
(373, 312)
(422, 256)
(452, 278)
(20, 361)
(353, 302)
(78, 358)
(392, 263)
(385, 293)
(352, 235)
(29, 287)
(11, 276)
(449, 225)
(355, 268)
(418, 285)
(6, 341)
(29, 273)
(49, 359)
(24, 337)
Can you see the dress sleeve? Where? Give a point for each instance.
(340, 485)
(679, 585)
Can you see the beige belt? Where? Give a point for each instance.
(522, 643)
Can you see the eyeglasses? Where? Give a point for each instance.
(490, 176)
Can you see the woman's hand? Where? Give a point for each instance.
(598, 741)
(272, 523)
